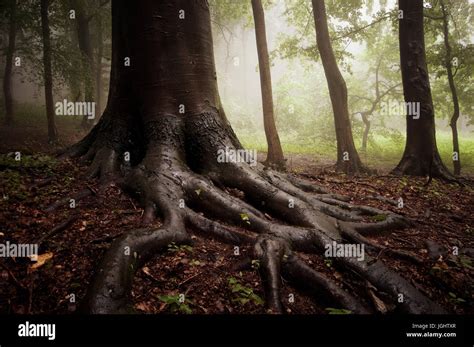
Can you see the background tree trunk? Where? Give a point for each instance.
(7, 79)
(275, 153)
(454, 93)
(98, 76)
(421, 157)
(365, 136)
(48, 76)
(85, 46)
(347, 157)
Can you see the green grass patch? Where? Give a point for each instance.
(381, 152)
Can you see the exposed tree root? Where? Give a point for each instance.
(270, 252)
(183, 184)
(301, 274)
(57, 229)
(412, 165)
(76, 197)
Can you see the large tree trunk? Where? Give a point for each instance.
(347, 157)
(275, 153)
(454, 93)
(165, 115)
(421, 157)
(48, 75)
(7, 78)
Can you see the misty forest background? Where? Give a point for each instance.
(52, 50)
(364, 35)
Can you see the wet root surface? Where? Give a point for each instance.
(211, 276)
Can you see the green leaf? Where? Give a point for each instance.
(379, 217)
(332, 310)
(169, 299)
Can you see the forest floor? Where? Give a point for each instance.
(209, 272)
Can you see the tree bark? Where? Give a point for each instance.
(365, 136)
(98, 77)
(275, 153)
(421, 157)
(48, 75)
(7, 78)
(85, 46)
(347, 157)
(454, 94)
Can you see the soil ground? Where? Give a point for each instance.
(209, 273)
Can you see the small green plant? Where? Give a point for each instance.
(455, 299)
(245, 218)
(466, 262)
(12, 182)
(255, 264)
(173, 247)
(243, 294)
(36, 161)
(379, 217)
(332, 310)
(194, 262)
(328, 262)
(176, 303)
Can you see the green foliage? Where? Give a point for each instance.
(454, 298)
(243, 294)
(175, 305)
(328, 262)
(383, 152)
(173, 247)
(379, 217)
(12, 183)
(255, 264)
(37, 161)
(12, 186)
(346, 21)
(245, 218)
(194, 262)
(460, 26)
(230, 11)
(332, 310)
(67, 63)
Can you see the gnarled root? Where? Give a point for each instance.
(180, 180)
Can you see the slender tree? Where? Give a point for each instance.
(347, 157)
(379, 95)
(452, 87)
(48, 76)
(165, 122)
(85, 47)
(421, 157)
(98, 70)
(275, 153)
(7, 79)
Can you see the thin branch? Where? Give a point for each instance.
(432, 17)
(359, 29)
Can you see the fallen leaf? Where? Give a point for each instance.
(83, 226)
(41, 260)
(143, 306)
(379, 304)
